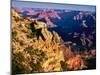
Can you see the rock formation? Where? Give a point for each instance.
(30, 54)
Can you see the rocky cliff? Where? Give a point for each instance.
(33, 54)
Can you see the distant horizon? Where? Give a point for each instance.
(30, 4)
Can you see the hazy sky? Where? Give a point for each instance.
(21, 4)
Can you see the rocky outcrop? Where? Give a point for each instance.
(33, 54)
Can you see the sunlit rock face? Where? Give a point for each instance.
(42, 14)
(44, 52)
(76, 63)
